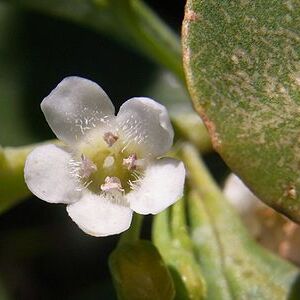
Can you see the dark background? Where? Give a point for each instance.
(43, 255)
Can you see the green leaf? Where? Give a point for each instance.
(128, 21)
(170, 235)
(233, 265)
(139, 272)
(243, 71)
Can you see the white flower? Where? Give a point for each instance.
(110, 165)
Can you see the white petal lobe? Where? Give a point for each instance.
(97, 216)
(146, 123)
(48, 177)
(75, 106)
(161, 186)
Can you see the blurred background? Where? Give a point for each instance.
(43, 255)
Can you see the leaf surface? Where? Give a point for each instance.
(233, 265)
(242, 65)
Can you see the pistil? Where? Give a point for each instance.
(108, 162)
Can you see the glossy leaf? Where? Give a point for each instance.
(242, 63)
(139, 272)
(233, 265)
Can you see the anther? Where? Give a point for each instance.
(111, 183)
(87, 167)
(110, 138)
(130, 162)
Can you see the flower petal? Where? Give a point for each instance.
(146, 123)
(48, 177)
(97, 216)
(75, 106)
(161, 186)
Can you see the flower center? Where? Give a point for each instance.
(106, 165)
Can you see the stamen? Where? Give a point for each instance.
(130, 162)
(86, 184)
(111, 183)
(110, 138)
(87, 167)
(135, 184)
(108, 162)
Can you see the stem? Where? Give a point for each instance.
(208, 207)
(133, 233)
(193, 130)
(153, 36)
(12, 185)
(178, 217)
(199, 173)
(179, 226)
(161, 234)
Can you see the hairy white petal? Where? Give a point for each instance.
(99, 216)
(161, 186)
(146, 123)
(48, 177)
(75, 106)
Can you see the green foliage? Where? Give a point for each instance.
(139, 272)
(171, 237)
(233, 265)
(242, 65)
